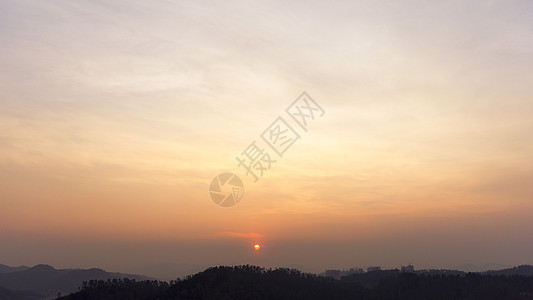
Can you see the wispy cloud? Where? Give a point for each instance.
(245, 235)
(116, 115)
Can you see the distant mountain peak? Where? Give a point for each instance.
(481, 268)
(524, 270)
(43, 267)
(8, 269)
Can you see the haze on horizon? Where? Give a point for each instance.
(116, 115)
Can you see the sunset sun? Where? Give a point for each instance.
(257, 247)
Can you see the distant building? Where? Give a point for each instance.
(408, 269)
(336, 274)
(372, 269)
(351, 271)
(356, 271)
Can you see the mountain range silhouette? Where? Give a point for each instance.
(45, 281)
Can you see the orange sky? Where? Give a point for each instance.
(116, 117)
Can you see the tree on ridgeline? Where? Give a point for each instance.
(252, 282)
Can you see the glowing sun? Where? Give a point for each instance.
(257, 247)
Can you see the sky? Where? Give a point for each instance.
(115, 116)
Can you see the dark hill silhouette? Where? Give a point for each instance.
(8, 269)
(370, 279)
(45, 280)
(6, 294)
(250, 282)
(524, 270)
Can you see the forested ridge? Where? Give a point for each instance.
(251, 282)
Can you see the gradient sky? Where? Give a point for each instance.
(116, 115)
